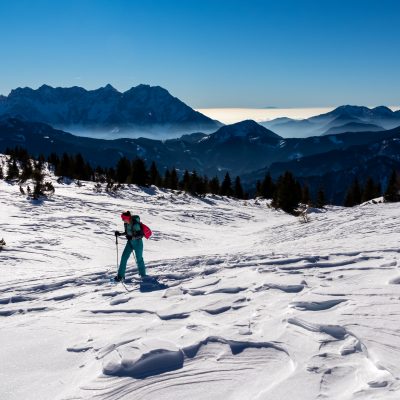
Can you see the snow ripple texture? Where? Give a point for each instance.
(259, 305)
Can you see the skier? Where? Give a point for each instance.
(134, 231)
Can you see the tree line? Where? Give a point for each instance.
(125, 172)
(22, 167)
(286, 192)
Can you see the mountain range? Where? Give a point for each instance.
(141, 110)
(246, 149)
(368, 147)
(237, 148)
(342, 119)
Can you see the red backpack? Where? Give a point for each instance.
(146, 230)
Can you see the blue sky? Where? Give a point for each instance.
(220, 53)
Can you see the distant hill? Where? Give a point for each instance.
(382, 117)
(143, 109)
(353, 127)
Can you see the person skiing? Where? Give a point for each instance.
(134, 231)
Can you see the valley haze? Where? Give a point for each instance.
(229, 115)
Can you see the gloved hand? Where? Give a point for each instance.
(116, 233)
(129, 237)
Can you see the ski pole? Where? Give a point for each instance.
(116, 243)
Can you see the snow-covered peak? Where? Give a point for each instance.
(141, 107)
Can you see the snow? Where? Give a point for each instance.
(334, 139)
(282, 143)
(295, 156)
(259, 305)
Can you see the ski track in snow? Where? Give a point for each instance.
(259, 305)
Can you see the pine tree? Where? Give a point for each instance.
(378, 190)
(174, 181)
(82, 169)
(370, 190)
(154, 175)
(78, 166)
(267, 187)
(54, 160)
(111, 175)
(19, 153)
(214, 185)
(65, 167)
(41, 159)
(258, 189)
(12, 170)
(353, 195)
(298, 191)
(392, 193)
(38, 176)
(226, 186)
(305, 195)
(287, 194)
(238, 191)
(89, 172)
(321, 202)
(99, 175)
(203, 185)
(167, 179)
(357, 191)
(27, 170)
(194, 183)
(185, 182)
(139, 172)
(123, 170)
(349, 200)
(206, 183)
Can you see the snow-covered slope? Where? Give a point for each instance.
(260, 305)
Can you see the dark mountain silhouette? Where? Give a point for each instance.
(335, 170)
(247, 130)
(237, 148)
(39, 138)
(246, 149)
(341, 159)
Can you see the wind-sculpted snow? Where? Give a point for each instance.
(316, 305)
(153, 363)
(335, 331)
(259, 306)
(159, 361)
